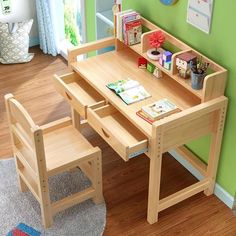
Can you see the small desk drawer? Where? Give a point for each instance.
(117, 131)
(77, 92)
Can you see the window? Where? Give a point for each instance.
(69, 24)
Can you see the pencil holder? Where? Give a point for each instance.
(197, 80)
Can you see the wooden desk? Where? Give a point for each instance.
(203, 112)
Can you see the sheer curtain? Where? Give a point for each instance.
(50, 15)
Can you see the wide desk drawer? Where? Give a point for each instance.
(117, 131)
(77, 92)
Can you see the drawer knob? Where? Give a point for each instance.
(105, 133)
(68, 96)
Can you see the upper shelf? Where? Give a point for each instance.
(106, 16)
(214, 82)
(184, 82)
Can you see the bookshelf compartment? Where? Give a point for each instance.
(77, 92)
(173, 73)
(214, 82)
(117, 131)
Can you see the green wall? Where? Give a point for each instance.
(90, 20)
(219, 45)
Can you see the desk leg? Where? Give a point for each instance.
(154, 188)
(75, 118)
(215, 147)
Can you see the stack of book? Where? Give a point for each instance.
(128, 27)
(157, 110)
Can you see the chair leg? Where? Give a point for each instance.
(46, 216)
(45, 203)
(97, 178)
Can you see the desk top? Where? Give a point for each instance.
(116, 65)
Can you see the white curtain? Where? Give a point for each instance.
(50, 15)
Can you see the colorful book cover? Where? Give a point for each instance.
(131, 16)
(133, 32)
(119, 23)
(160, 109)
(129, 90)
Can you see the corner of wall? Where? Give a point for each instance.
(33, 41)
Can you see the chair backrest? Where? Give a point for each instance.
(26, 137)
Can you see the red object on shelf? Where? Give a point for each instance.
(156, 39)
(142, 63)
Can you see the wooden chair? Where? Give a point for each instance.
(41, 152)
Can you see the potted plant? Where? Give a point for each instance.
(198, 73)
(156, 39)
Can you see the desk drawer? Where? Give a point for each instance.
(77, 92)
(117, 131)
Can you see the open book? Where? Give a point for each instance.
(129, 90)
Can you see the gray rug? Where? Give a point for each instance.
(83, 219)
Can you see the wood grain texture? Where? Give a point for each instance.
(124, 63)
(56, 151)
(125, 184)
(32, 85)
(193, 122)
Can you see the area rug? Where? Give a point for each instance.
(84, 219)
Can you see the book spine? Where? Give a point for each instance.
(128, 18)
(144, 116)
(119, 23)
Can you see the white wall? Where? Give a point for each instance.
(22, 10)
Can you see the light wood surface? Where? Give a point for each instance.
(61, 148)
(124, 64)
(128, 140)
(126, 213)
(77, 92)
(88, 47)
(32, 84)
(192, 159)
(201, 111)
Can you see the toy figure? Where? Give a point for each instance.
(142, 63)
(157, 73)
(183, 64)
(165, 60)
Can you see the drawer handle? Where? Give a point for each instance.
(68, 96)
(105, 133)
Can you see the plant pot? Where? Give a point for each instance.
(197, 80)
(154, 53)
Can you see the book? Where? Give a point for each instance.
(129, 90)
(119, 26)
(131, 16)
(123, 18)
(160, 109)
(133, 32)
(141, 114)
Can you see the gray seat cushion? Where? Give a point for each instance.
(14, 42)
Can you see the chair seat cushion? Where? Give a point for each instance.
(65, 146)
(14, 42)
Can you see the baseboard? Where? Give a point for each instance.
(33, 41)
(221, 193)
